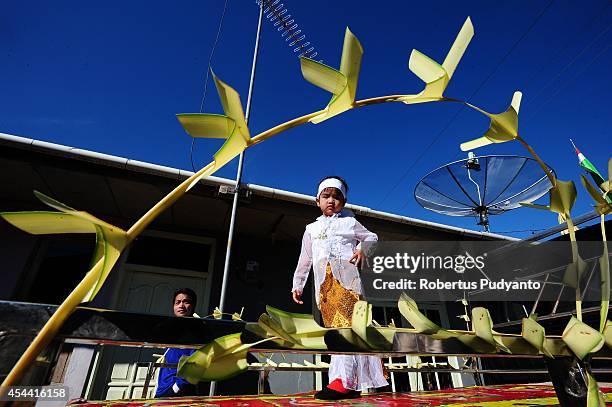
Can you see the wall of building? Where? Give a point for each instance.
(17, 255)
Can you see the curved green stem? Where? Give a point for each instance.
(605, 278)
(165, 202)
(357, 104)
(575, 257)
(282, 127)
(547, 170)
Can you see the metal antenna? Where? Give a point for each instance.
(228, 252)
(279, 16)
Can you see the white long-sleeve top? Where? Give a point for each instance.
(332, 239)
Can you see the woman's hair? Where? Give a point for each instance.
(188, 292)
(338, 178)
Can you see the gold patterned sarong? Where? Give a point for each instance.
(336, 302)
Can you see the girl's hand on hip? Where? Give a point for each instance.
(357, 259)
(297, 297)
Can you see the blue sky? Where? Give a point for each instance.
(111, 76)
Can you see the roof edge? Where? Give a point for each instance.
(178, 174)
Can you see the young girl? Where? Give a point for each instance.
(332, 247)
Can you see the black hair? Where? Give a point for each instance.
(342, 181)
(188, 292)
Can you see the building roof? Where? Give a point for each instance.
(140, 167)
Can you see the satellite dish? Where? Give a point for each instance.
(482, 186)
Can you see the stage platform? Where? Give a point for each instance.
(494, 396)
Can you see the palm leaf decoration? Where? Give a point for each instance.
(301, 329)
(483, 327)
(410, 310)
(231, 126)
(223, 358)
(110, 239)
(535, 334)
(603, 207)
(595, 397)
(604, 270)
(561, 201)
(436, 76)
(342, 84)
(602, 204)
(361, 324)
(581, 338)
(607, 333)
(503, 126)
(292, 330)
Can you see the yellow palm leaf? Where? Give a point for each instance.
(429, 71)
(535, 334)
(376, 337)
(110, 242)
(294, 323)
(604, 269)
(595, 397)
(483, 327)
(602, 206)
(574, 271)
(362, 317)
(230, 100)
(232, 147)
(436, 76)
(323, 76)
(221, 359)
(458, 48)
(239, 137)
(48, 223)
(410, 310)
(109, 245)
(350, 64)
(207, 125)
(607, 333)
(502, 127)
(79, 214)
(342, 83)
(607, 186)
(581, 338)
(561, 197)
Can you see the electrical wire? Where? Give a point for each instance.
(555, 54)
(460, 110)
(210, 57)
(570, 80)
(596, 16)
(578, 55)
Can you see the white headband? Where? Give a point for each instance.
(332, 183)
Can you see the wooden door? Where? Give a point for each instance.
(147, 292)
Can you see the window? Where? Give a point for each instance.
(65, 262)
(170, 253)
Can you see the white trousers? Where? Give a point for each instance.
(357, 372)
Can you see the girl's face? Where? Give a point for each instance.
(330, 201)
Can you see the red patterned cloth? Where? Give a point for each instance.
(513, 395)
